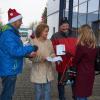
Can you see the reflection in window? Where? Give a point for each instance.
(74, 20)
(81, 20)
(67, 0)
(67, 4)
(92, 16)
(98, 37)
(67, 8)
(75, 2)
(75, 14)
(96, 29)
(81, 1)
(75, 9)
(83, 8)
(93, 5)
(89, 23)
(66, 14)
(99, 16)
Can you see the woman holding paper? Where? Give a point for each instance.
(42, 72)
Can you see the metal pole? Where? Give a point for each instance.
(70, 15)
(61, 10)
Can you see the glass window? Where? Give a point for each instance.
(75, 9)
(99, 16)
(81, 1)
(74, 20)
(75, 14)
(92, 16)
(67, 5)
(81, 20)
(75, 2)
(83, 8)
(93, 5)
(67, 0)
(99, 34)
(95, 27)
(66, 14)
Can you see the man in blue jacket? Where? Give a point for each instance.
(12, 52)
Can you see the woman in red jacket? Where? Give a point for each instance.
(85, 62)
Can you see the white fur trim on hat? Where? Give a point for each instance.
(15, 19)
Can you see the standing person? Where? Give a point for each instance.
(12, 52)
(63, 36)
(85, 62)
(42, 72)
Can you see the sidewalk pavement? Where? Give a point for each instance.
(25, 90)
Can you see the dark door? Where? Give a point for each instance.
(96, 29)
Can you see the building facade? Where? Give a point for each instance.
(87, 12)
(56, 10)
(53, 16)
(78, 12)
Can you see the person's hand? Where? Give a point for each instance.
(35, 48)
(58, 62)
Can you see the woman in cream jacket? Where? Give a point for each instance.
(42, 70)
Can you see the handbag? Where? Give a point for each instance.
(69, 74)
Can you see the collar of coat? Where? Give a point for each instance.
(11, 28)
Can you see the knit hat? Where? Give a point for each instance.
(13, 15)
(62, 21)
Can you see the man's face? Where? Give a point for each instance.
(18, 23)
(64, 27)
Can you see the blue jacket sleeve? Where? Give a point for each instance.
(12, 46)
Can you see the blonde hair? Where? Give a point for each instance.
(87, 36)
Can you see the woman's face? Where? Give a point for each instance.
(44, 34)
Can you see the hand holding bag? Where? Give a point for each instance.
(69, 74)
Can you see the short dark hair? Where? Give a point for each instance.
(40, 28)
(63, 21)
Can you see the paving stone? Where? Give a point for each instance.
(25, 90)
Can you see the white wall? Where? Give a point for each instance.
(52, 5)
(53, 21)
(53, 15)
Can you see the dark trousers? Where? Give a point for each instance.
(61, 88)
(81, 98)
(8, 84)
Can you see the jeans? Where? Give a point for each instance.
(81, 98)
(42, 91)
(8, 84)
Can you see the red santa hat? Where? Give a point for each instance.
(13, 15)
